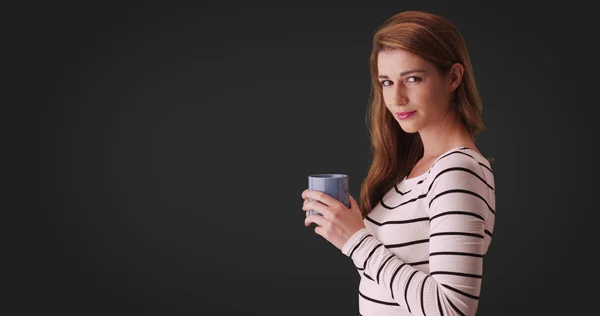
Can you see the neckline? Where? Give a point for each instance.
(423, 175)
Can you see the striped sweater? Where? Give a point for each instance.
(422, 250)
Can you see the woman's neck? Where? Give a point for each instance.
(450, 133)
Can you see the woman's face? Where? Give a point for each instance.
(411, 84)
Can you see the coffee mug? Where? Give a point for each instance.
(335, 185)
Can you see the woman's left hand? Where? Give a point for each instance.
(338, 223)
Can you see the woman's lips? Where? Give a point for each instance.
(405, 115)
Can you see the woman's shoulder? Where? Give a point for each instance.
(462, 168)
(462, 158)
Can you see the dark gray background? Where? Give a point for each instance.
(175, 141)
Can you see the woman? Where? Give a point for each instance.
(427, 210)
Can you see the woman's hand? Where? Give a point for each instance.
(338, 223)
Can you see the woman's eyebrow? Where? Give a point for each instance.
(402, 74)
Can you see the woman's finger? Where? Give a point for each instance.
(317, 206)
(320, 231)
(320, 196)
(317, 219)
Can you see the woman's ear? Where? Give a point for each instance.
(455, 76)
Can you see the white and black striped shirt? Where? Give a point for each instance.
(422, 250)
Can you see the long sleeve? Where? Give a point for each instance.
(459, 202)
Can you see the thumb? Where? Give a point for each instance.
(352, 201)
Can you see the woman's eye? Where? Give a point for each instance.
(412, 79)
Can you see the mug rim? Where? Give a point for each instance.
(328, 176)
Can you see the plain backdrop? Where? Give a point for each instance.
(176, 139)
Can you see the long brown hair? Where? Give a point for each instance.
(395, 152)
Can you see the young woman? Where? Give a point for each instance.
(427, 209)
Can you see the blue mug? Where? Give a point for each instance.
(335, 185)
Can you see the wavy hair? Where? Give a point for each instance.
(395, 152)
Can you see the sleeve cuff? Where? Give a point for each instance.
(353, 240)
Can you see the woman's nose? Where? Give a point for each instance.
(401, 98)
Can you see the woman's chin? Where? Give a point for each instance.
(408, 128)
